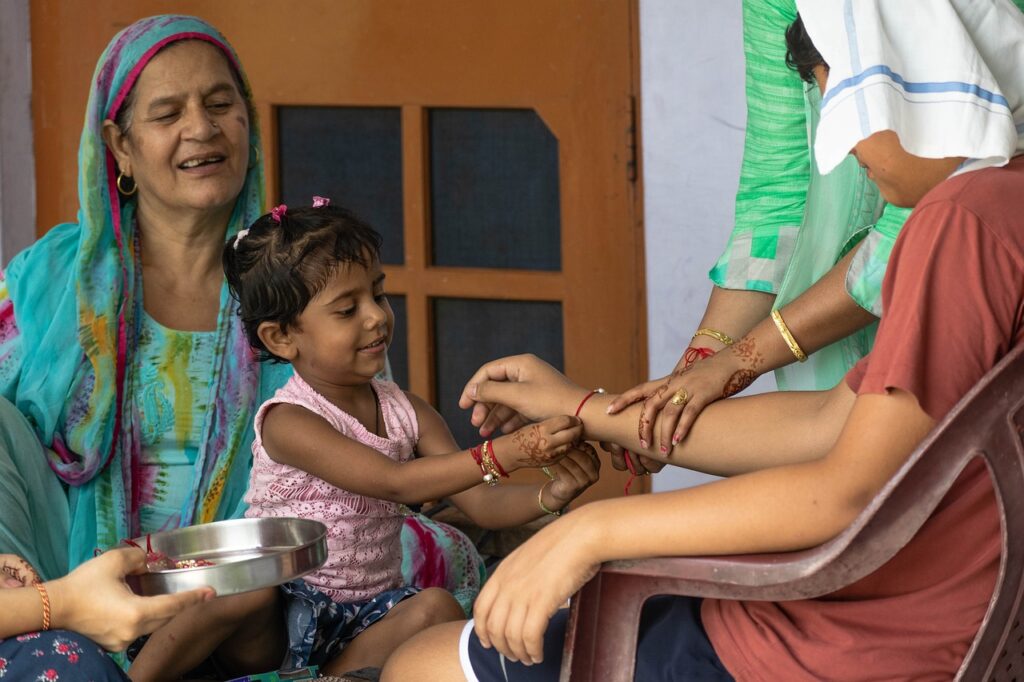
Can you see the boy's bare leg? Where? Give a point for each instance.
(431, 656)
(245, 632)
(374, 644)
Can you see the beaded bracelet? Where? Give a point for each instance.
(488, 453)
(490, 478)
(492, 475)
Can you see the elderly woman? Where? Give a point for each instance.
(123, 365)
(929, 97)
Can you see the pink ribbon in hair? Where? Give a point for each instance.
(320, 202)
(278, 212)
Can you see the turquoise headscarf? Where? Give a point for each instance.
(76, 297)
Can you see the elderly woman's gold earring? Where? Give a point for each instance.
(254, 157)
(120, 188)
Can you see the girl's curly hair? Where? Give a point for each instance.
(276, 268)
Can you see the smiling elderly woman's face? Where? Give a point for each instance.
(186, 143)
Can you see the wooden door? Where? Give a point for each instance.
(493, 143)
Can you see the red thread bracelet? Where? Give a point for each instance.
(586, 398)
(489, 447)
(695, 353)
(626, 453)
(475, 454)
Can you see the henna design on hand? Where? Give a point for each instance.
(644, 420)
(738, 381)
(746, 351)
(13, 572)
(532, 443)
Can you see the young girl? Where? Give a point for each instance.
(338, 445)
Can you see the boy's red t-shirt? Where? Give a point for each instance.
(953, 298)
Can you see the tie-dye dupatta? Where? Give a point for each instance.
(79, 282)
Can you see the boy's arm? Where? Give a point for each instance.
(780, 509)
(506, 504)
(294, 436)
(731, 437)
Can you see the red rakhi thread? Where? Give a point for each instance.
(695, 353)
(586, 398)
(632, 470)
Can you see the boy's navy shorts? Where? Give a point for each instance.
(672, 647)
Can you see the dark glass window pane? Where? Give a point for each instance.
(472, 332)
(352, 155)
(494, 189)
(398, 351)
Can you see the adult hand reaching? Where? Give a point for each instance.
(679, 398)
(95, 601)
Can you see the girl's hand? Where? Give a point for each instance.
(573, 474)
(16, 572)
(95, 600)
(530, 585)
(525, 384)
(538, 445)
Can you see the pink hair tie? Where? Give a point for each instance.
(320, 202)
(278, 212)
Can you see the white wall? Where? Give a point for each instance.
(693, 116)
(17, 160)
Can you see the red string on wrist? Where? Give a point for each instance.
(494, 458)
(586, 398)
(695, 353)
(478, 458)
(632, 470)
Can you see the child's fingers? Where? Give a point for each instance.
(561, 423)
(617, 455)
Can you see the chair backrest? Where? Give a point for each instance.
(988, 423)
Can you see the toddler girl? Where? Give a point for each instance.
(338, 445)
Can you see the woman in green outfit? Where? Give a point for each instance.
(802, 273)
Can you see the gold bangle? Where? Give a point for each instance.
(787, 336)
(714, 334)
(46, 604)
(540, 501)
